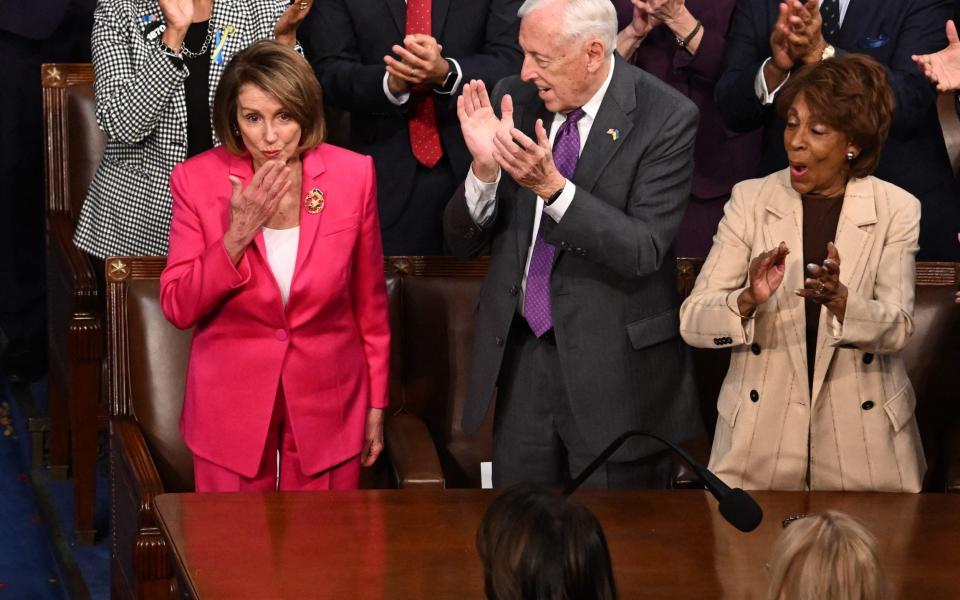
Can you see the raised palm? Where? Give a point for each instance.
(943, 67)
(178, 14)
(479, 124)
(766, 273)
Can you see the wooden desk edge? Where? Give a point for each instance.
(174, 556)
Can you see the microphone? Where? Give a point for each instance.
(736, 506)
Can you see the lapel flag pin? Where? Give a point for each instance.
(614, 134)
(314, 201)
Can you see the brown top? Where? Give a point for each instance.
(820, 218)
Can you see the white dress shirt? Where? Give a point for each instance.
(482, 197)
(281, 247)
(760, 84)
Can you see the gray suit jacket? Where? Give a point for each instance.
(613, 288)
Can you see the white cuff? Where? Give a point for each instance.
(562, 203)
(760, 85)
(397, 100)
(481, 197)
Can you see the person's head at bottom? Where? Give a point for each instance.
(537, 544)
(827, 556)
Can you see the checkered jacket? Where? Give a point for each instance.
(141, 106)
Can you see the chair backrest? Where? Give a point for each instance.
(433, 323)
(74, 142)
(147, 365)
(931, 357)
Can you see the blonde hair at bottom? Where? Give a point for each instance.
(826, 556)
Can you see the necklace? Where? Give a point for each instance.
(188, 53)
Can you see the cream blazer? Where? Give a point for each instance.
(856, 430)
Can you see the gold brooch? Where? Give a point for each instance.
(314, 201)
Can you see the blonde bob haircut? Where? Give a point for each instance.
(827, 556)
(278, 70)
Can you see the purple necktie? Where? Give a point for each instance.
(536, 300)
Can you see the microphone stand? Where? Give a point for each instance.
(736, 505)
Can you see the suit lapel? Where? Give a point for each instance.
(313, 168)
(241, 167)
(612, 120)
(853, 241)
(785, 224)
(526, 203)
(398, 9)
(438, 17)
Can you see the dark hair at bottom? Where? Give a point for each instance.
(538, 545)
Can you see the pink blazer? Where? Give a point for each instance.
(329, 346)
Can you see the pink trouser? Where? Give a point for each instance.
(210, 477)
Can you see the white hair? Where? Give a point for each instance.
(583, 19)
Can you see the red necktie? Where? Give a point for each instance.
(424, 137)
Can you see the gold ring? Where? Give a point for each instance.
(820, 290)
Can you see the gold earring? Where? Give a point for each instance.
(851, 156)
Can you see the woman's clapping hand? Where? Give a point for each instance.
(766, 274)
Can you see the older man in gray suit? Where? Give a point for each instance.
(577, 188)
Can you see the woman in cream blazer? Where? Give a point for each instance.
(848, 422)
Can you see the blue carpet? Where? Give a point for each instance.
(92, 562)
(28, 567)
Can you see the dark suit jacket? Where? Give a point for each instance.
(889, 31)
(613, 288)
(31, 33)
(346, 41)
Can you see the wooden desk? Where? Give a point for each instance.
(420, 544)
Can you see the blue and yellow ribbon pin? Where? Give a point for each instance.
(219, 42)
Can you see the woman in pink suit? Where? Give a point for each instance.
(275, 260)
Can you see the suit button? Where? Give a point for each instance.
(716, 341)
(469, 233)
(514, 290)
(754, 396)
(499, 341)
(867, 358)
(867, 405)
(281, 335)
(755, 348)
(564, 246)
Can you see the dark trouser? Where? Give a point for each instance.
(419, 230)
(536, 438)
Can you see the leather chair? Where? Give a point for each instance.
(74, 144)
(433, 304)
(146, 366)
(432, 317)
(930, 357)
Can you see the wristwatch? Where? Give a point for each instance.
(451, 77)
(554, 197)
(828, 52)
